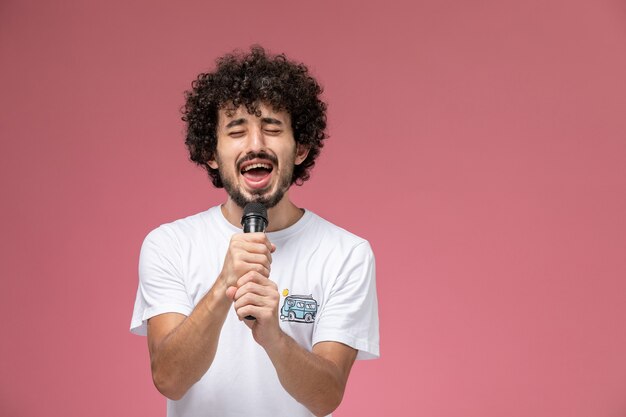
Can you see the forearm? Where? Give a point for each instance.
(184, 355)
(314, 381)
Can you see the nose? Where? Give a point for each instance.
(256, 140)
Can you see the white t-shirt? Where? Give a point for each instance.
(326, 279)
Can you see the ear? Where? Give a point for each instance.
(302, 151)
(212, 163)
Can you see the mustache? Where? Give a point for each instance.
(257, 155)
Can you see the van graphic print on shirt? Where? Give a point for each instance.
(299, 308)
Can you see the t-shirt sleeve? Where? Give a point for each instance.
(350, 314)
(161, 285)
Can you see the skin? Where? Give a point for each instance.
(182, 348)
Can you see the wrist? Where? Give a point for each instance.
(220, 287)
(216, 300)
(277, 344)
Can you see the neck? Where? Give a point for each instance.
(281, 216)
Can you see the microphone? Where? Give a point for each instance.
(254, 220)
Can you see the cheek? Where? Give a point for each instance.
(224, 155)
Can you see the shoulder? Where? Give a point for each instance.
(185, 229)
(337, 236)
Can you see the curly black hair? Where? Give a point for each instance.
(250, 79)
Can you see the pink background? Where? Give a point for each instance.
(479, 145)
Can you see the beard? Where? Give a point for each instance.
(242, 197)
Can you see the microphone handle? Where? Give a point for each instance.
(253, 224)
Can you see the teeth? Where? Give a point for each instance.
(252, 166)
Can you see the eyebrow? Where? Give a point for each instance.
(264, 120)
(236, 122)
(271, 121)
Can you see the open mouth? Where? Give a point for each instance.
(257, 174)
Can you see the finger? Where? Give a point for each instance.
(270, 247)
(244, 298)
(258, 237)
(246, 268)
(261, 314)
(251, 247)
(254, 290)
(230, 292)
(244, 248)
(266, 247)
(254, 258)
(259, 269)
(255, 277)
(248, 301)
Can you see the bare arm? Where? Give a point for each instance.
(183, 348)
(315, 379)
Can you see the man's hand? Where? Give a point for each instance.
(183, 348)
(257, 296)
(327, 367)
(248, 260)
(247, 252)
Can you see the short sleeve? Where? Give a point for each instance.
(350, 314)
(161, 285)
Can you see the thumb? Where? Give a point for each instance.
(230, 292)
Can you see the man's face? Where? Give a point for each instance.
(255, 156)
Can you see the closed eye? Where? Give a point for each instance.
(236, 134)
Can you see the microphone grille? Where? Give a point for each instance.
(255, 208)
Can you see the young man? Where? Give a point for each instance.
(256, 124)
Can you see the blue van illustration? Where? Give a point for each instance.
(302, 308)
